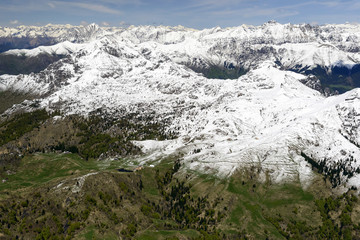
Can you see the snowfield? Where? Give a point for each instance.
(266, 118)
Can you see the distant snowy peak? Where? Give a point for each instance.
(58, 32)
(294, 46)
(33, 36)
(270, 32)
(63, 48)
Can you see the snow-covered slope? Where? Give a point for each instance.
(292, 46)
(28, 37)
(266, 118)
(247, 45)
(63, 48)
(59, 32)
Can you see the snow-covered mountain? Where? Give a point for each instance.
(216, 43)
(63, 48)
(33, 36)
(266, 118)
(329, 52)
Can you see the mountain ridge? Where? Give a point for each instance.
(327, 52)
(266, 117)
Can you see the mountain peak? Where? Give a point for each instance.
(93, 26)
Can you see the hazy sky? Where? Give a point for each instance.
(189, 13)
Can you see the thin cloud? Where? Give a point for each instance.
(355, 5)
(330, 3)
(124, 2)
(88, 6)
(24, 6)
(51, 5)
(258, 12)
(14, 22)
(214, 3)
(205, 5)
(229, 6)
(105, 24)
(265, 11)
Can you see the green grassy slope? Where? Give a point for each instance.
(63, 196)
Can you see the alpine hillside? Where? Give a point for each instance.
(264, 96)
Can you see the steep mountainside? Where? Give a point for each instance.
(265, 118)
